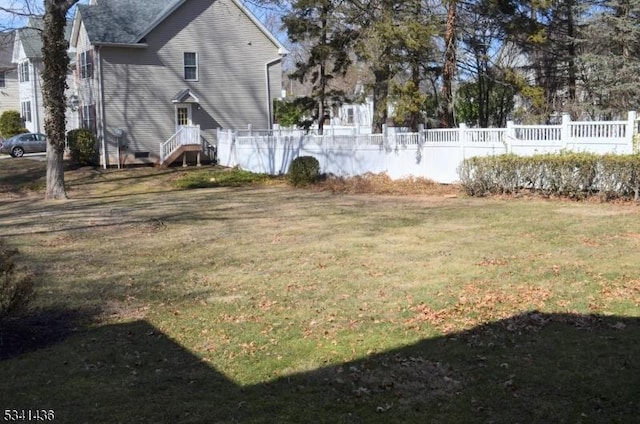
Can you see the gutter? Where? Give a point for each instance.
(101, 107)
(124, 45)
(266, 77)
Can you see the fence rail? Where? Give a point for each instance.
(432, 153)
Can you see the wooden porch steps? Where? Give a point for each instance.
(180, 151)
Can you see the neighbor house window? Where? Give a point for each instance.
(86, 64)
(23, 71)
(26, 111)
(350, 116)
(88, 117)
(190, 66)
(3, 83)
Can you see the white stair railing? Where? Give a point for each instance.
(186, 135)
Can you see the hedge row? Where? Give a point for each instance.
(576, 175)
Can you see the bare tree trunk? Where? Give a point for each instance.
(449, 68)
(380, 97)
(322, 75)
(54, 83)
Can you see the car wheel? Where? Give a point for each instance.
(17, 152)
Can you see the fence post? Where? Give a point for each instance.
(462, 139)
(385, 137)
(249, 129)
(565, 131)
(510, 136)
(631, 130)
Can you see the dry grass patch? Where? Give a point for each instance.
(383, 184)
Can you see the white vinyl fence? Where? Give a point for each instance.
(434, 154)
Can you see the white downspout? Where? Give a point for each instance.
(35, 106)
(101, 107)
(266, 77)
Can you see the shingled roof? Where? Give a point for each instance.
(31, 37)
(123, 21)
(6, 50)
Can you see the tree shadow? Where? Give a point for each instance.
(38, 329)
(534, 368)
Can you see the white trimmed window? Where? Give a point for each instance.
(23, 71)
(88, 117)
(3, 80)
(86, 64)
(190, 61)
(350, 116)
(26, 111)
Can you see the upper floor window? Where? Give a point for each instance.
(190, 66)
(3, 82)
(23, 71)
(86, 64)
(26, 111)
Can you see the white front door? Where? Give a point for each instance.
(183, 116)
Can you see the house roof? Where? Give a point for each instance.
(6, 50)
(127, 22)
(31, 37)
(185, 96)
(122, 21)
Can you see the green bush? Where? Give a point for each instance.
(11, 124)
(304, 170)
(82, 146)
(16, 291)
(574, 175)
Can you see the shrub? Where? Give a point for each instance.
(11, 124)
(575, 175)
(82, 146)
(16, 291)
(304, 170)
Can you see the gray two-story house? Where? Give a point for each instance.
(157, 78)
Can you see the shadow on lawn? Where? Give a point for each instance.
(531, 368)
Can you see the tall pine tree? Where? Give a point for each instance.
(319, 25)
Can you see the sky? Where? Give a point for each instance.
(13, 13)
(22, 8)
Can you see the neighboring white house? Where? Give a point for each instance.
(354, 114)
(27, 55)
(9, 92)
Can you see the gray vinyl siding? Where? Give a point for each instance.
(87, 88)
(138, 84)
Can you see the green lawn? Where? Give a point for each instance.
(261, 303)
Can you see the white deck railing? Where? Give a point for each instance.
(186, 135)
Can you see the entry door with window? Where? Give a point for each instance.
(183, 116)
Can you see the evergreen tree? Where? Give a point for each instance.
(320, 25)
(610, 59)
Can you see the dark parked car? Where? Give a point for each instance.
(20, 144)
